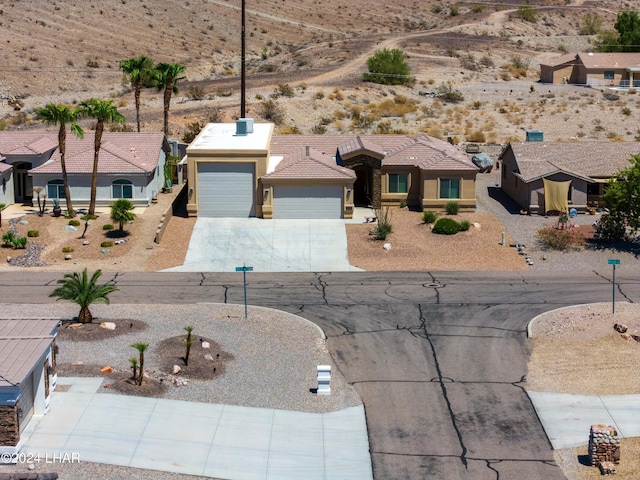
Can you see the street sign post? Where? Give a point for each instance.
(613, 262)
(244, 271)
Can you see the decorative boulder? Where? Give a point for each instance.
(483, 162)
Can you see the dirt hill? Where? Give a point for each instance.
(70, 51)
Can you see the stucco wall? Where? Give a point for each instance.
(6, 188)
(578, 193)
(431, 190)
(515, 188)
(412, 197)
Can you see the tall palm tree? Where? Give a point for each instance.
(166, 77)
(58, 114)
(103, 111)
(141, 347)
(84, 291)
(136, 68)
(121, 212)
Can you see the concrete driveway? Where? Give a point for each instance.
(222, 244)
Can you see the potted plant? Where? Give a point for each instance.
(57, 211)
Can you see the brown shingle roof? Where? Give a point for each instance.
(583, 159)
(309, 163)
(22, 344)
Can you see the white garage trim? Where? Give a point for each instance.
(291, 201)
(226, 189)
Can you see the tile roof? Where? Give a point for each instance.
(425, 152)
(310, 163)
(610, 60)
(554, 62)
(358, 144)
(126, 153)
(582, 159)
(4, 166)
(22, 344)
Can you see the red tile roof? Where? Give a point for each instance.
(124, 153)
(309, 163)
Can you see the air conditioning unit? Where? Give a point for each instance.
(244, 126)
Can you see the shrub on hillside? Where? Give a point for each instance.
(446, 226)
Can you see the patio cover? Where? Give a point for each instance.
(556, 195)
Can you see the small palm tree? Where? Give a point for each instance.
(141, 347)
(60, 114)
(121, 212)
(134, 366)
(166, 77)
(188, 342)
(84, 291)
(136, 68)
(103, 111)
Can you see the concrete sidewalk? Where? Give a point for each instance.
(567, 418)
(211, 440)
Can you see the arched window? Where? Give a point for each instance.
(122, 189)
(55, 189)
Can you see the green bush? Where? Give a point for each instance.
(88, 217)
(106, 244)
(464, 225)
(446, 226)
(74, 222)
(108, 226)
(429, 217)
(383, 228)
(388, 67)
(19, 242)
(452, 207)
(33, 233)
(446, 92)
(528, 13)
(609, 228)
(7, 238)
(67, 249)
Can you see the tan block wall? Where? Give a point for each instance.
(9, 426)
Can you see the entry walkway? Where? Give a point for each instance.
(211, 440)
(222, 244)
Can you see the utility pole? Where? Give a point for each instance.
(242, 69)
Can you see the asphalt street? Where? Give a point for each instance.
(439, 358)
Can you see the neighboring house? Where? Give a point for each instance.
(260, 174)
(27, 375)
(587, 165)
(594, 69)
(131, 165)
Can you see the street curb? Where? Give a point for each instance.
(530, 324)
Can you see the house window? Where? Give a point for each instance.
(449, 188)
(398, 182)
(122, 189)
(55, 189)
(609, 75)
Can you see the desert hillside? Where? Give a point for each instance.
(70, 51)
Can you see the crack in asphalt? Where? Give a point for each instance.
(323, 287)
(443, 388)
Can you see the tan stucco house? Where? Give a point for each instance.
(250, 171)
(595, 69)
(588, 166)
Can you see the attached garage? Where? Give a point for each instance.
(226, 189)
(298, 201)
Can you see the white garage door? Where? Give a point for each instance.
(307, 202)
(226, 190)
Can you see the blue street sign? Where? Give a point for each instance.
(613, 261)
(244, 269)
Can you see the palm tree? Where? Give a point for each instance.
(136, 68)
(103, 111)
(141, 347)
(166, 77)
(121, 212)
(58, 114)
(84, 291)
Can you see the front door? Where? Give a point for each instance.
(23, 183)
(362, 186)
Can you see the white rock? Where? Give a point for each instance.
(71, 228)
(9, 259)
(68, 257)
(387, 246)
(176, 369)
(108, 325)
(209, 357)
(206, 345)
(476, 225)
(86, 242)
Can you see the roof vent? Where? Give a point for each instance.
(244, 126)
(306, 150)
